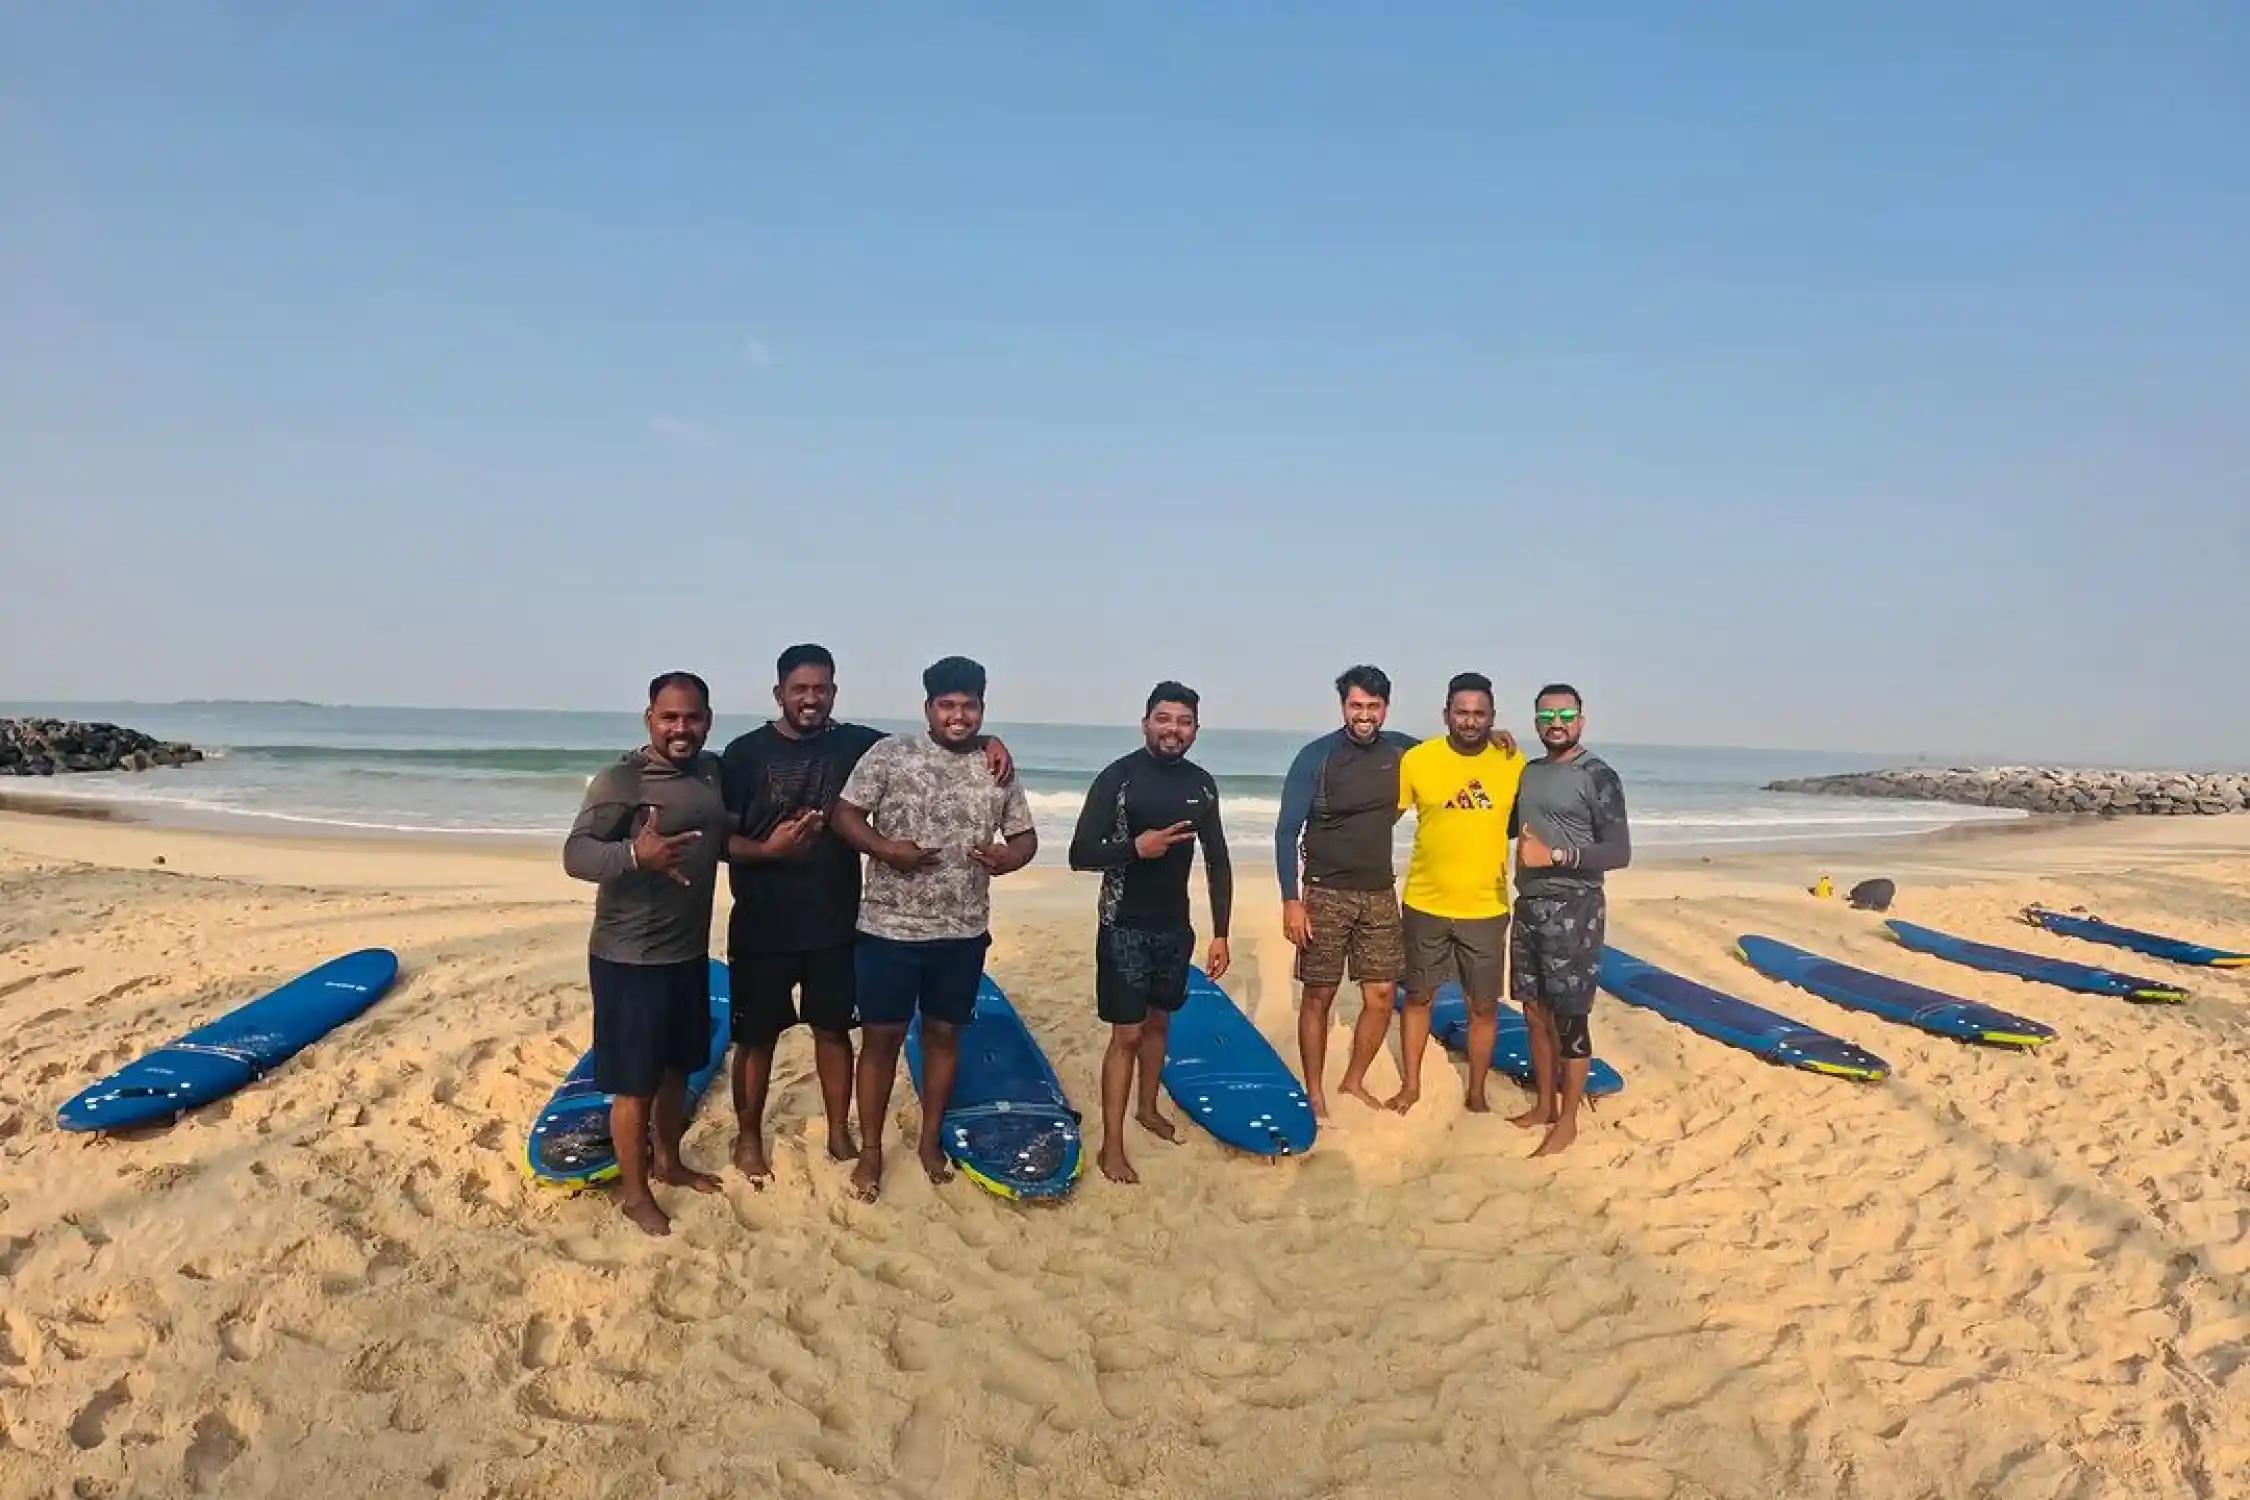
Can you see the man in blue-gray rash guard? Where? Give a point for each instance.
(1570, 828)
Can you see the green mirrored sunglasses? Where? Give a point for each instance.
(1550, 715)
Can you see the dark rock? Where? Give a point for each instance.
(2044, 789)
(41, 747)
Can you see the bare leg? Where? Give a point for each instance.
(941, 1058)
(628, 1133)
(752, 1072)
(832, 1059)
(878, 1070)
(1368, 1032)
(1413, 1039)
(1540, 1023)
(1484, 1027)
(1312, 1044)
(1565, 1128)
(1155, 1033)
(668, 1114)
(1117, 1087)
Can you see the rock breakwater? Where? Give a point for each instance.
(2041, 789)
(48, 747)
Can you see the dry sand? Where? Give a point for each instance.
(1993, 1275)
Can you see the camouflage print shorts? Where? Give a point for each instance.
(1555, 952)
(1358, 930)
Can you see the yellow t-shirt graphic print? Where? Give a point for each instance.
(1460, 805)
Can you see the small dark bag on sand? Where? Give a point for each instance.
(1872, 895)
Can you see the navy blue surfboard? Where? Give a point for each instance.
(1511, 1042)
(1222, 1071)
(1724, 1018)
(2055, 971)
(239, 1047)
(1008, 1127)
(1930, 1010)
(2155, 945)
(569, 1145)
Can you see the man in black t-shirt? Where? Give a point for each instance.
(796, 896)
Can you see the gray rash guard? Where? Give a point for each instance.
(645, 916)
(1576, 804)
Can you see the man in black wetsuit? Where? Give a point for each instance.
(1142, 818)
(1570, 825)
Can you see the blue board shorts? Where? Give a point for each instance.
(937, 977)
(649, 1020)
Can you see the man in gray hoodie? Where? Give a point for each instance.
(650, 835)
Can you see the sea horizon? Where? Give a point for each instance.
(520, 774)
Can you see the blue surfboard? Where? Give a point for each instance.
(2055, 971)
(1221, 1070)
(2155, 945)
(241, 1046)
(1511, 1042)
(1008, 1127)
(569, 1145)
(1724, 1018)
(1933, 1011)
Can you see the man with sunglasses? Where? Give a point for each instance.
(1570, 829)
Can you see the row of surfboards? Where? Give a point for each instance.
(1011, 1128)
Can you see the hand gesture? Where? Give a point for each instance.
(997, 859)
(907, 857)
(659, 852)
(1296, 924)
(795, 832)
(1221, 957)
(1158, 842)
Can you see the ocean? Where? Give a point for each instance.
(518, 774)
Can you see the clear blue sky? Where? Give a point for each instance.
(1786, 374)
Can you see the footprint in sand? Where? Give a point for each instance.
(216, 1445)
(90, 1429)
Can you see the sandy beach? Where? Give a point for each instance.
(1993, 1275)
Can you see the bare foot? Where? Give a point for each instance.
(1156, 1125)
(1359, 1091)
(867, 1177)
(841, 1146)
(1532, 1118)
(1559, 1137)
(1319, 1103)
(1477, 1104)
(1115, 1167)
(750, 1160)
(933, 1160)
(645, 1214)
(1404, 1100)
(679, 1175)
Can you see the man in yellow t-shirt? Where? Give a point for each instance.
(1455, 912)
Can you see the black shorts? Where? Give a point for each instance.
(768, 988)
(1137, 970)
(1555, 955)
(1574, 1036)
(649, 1020)
(1471, 951)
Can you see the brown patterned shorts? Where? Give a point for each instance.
(1355, 929)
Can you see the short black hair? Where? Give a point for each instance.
(1469, 682)
(952, 674)
(807, 655)
(1373, 681)
(1557, 689)
(657, 685)
(1169, 691)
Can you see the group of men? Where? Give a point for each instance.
(861, 866)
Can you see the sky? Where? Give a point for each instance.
(1808, 376)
